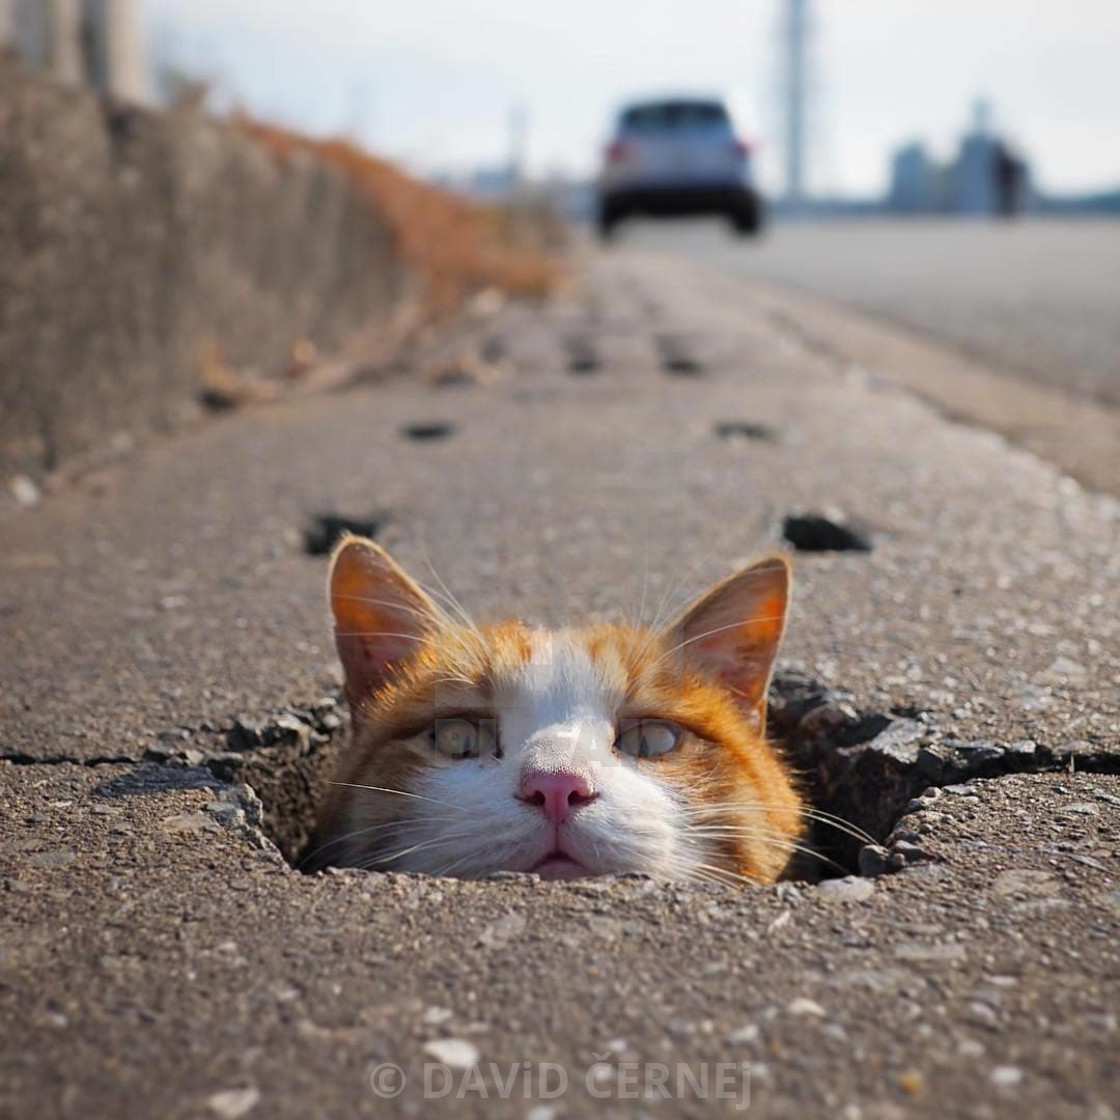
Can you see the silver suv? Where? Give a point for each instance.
(677, 156)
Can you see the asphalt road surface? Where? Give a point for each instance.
(1039, 297)
(953, 690)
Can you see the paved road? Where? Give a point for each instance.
(1040, 297)
(157, 956)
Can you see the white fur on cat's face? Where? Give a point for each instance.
(556, 713)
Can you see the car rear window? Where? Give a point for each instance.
(667, 116)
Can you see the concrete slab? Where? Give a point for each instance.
(159, 955)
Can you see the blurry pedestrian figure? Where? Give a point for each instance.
(1008, 172)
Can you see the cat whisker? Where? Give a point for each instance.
(645, 582)
(398, 792)
(405, 823)
(456, 680)
(424, 845)
(717, 630)
(839, 823)
(394, 606)
(419, 637)
(665, 606)
(380, 634)
(720, 875)
(455, 604)
(448, 868)
(771, 840)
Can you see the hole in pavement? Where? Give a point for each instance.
(863, 770)
(453, 376)
(493, 349)
(582, 357)
(742, 429)
(843, 757)
(286, 756)
(433, 431)
(682, 366)
(324, 530)
(676, 357)
(852, 765)
(814, 532)
(216, 400)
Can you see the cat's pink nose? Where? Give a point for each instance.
(557, 793)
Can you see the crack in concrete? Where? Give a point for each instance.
(17, 758)
(868, 769)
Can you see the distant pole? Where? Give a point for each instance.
(796, 76)
(518, 145)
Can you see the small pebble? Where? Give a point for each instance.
(59, 858)
(542, 1112)
(1006, 1076)
(909, 851)
(803, 1006)
(25, 492)
(457, 1053)
(189, 822)
(874, 859)
(742, 1035)
(498, 933)
(983, 1015)
(233, 1103)
(1081, 808)
(849, 889)
(912, 1082)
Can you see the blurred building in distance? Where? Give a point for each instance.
(918, 182)
(986, 178)
(80, 42)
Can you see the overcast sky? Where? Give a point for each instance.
(434, 82)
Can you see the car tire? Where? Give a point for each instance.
(746, 219)
(607, 220)
(607, 227)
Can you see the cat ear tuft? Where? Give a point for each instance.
(732, 632)
(380, 615)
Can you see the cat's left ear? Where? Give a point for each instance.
(733, 631)
(381, 616)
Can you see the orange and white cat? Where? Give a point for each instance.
(566, 753)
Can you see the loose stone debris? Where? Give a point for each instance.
(326, 529)
(814, 532)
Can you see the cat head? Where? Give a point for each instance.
(575, 752)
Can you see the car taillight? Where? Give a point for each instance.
(617, 151)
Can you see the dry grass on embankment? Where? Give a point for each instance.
(456, 247)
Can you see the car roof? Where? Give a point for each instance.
(641, 113)
(683, 100)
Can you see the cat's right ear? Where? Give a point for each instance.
(733, 631)
(380, 616)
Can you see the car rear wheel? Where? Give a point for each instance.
(746, 219)
(607, 224)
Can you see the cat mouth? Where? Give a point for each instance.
(558, 865)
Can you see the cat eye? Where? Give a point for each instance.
(465, 738)
(648, 738)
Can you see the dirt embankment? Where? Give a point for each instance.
(143, 254)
